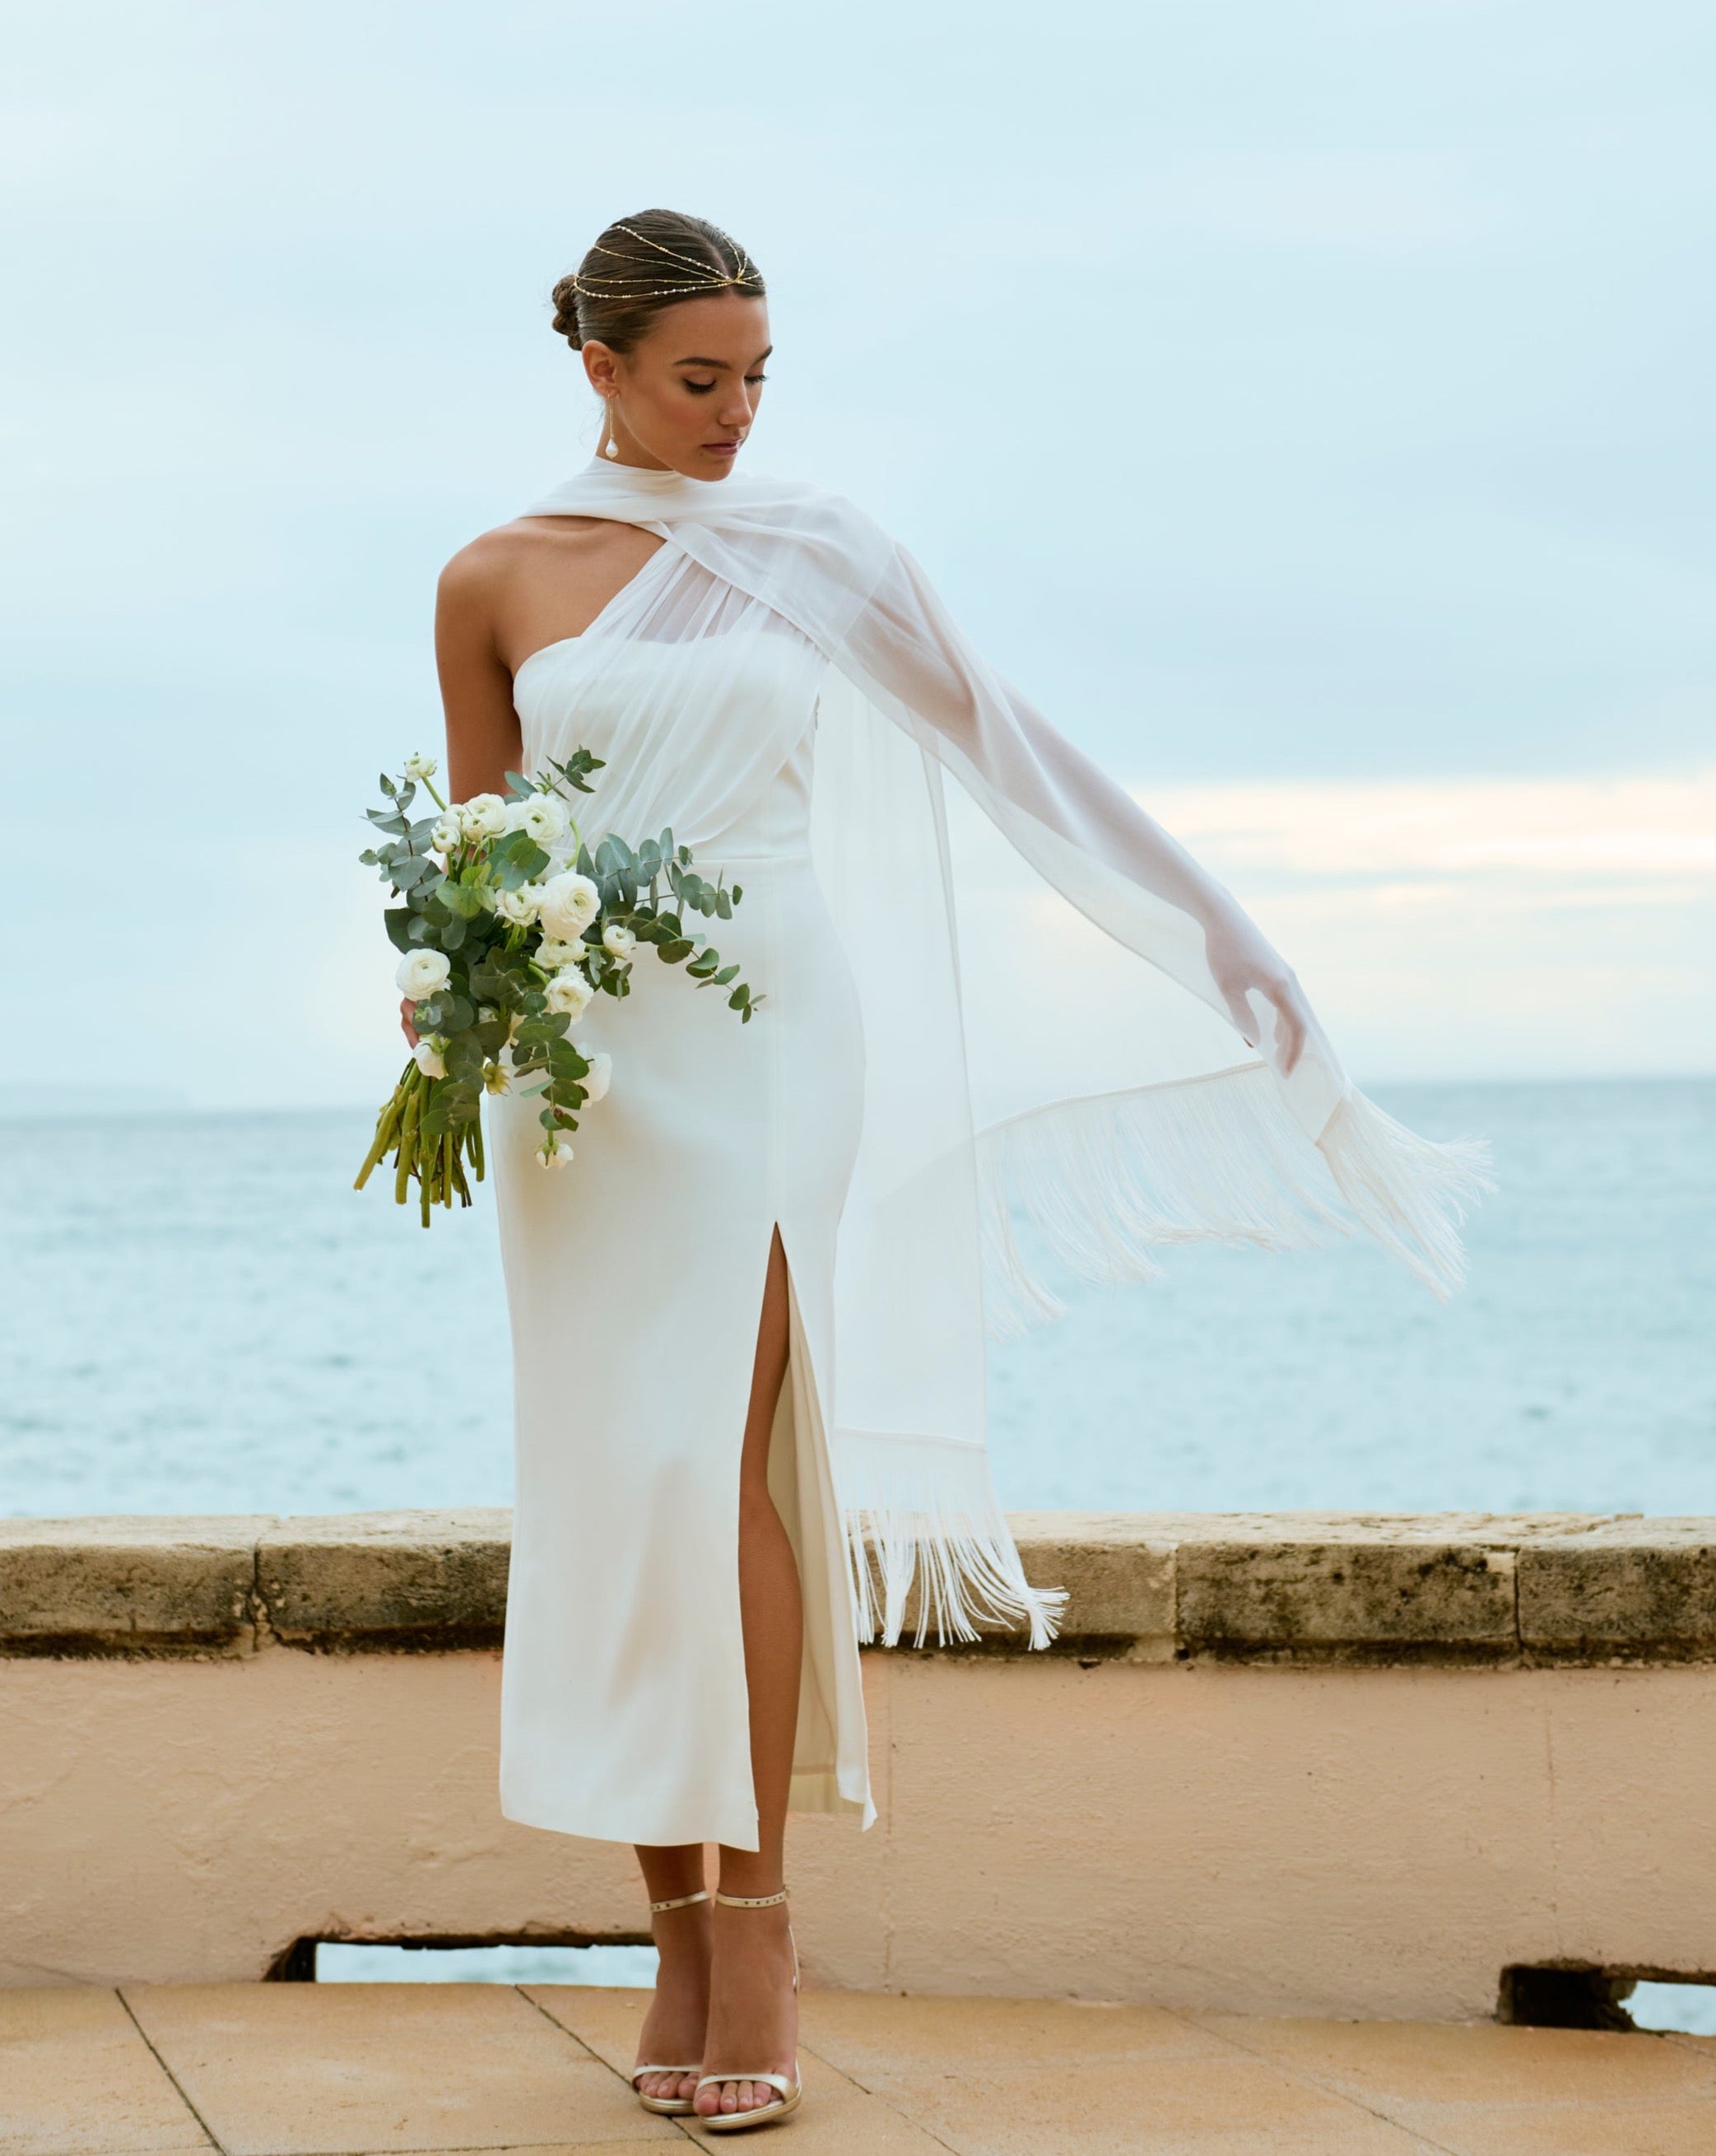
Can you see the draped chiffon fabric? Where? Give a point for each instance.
(780, 684)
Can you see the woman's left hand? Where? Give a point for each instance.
(1239, 958)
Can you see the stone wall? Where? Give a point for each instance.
(1331, 1763)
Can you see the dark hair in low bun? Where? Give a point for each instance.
(640, 268)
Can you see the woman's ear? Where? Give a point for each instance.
(601, 367)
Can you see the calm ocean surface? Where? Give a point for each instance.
(202, 1315)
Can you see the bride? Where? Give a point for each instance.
(747, 1319)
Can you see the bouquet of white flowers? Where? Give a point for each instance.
(509, 926)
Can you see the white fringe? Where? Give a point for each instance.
(923, 1513)
(1216, 1159)
(1411, 1193)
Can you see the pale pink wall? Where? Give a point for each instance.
(1340, 1842)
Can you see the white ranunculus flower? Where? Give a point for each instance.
(544, 816)
(518, 907)
(483, 816)
(568, 903)
(602, 1071)
(447, 832)
(556, 1150)
(421, 767)
(428, 1055)
(422, 973)
(617, 939)
(552, 952)
(570, 992)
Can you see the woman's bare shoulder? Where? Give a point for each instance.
(481, 561)
(495, 560)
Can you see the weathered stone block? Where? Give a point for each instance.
(1345, 1587)
(175, 1583)
(1117, 1568)
(434, 1580)
(1640, 1589)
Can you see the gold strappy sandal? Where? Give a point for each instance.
(791, 2092)
(668, 2107)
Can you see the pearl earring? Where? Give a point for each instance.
(611, 446)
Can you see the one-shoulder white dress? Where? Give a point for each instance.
(635, 1283)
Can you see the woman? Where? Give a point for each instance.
(747, 1322)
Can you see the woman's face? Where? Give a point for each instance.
(682, 399)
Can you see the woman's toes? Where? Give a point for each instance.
(733, 2095)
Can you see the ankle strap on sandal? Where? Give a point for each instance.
(679, 1902)
(752, 1901)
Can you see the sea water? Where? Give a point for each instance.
(202, 1315)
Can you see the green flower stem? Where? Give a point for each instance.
(386, 1127)
(408, 1142)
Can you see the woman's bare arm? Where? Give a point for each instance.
(483, 743)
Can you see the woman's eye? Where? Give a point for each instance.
(756, 377)
(699, 388)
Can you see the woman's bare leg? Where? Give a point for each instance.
(753, 2018)
(673, 2028)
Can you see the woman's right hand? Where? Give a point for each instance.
(1241, 957)
(407, 1009)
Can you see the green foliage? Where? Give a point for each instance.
(494, 999)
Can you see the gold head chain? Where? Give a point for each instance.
(621, 283)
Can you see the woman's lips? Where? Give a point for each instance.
(723, 448)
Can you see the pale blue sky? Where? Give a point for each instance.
(1297, 400)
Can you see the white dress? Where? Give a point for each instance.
(635, 1283)
(780, 684)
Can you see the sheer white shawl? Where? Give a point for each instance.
(1194, 1133)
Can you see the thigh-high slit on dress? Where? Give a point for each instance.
(779, 685)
